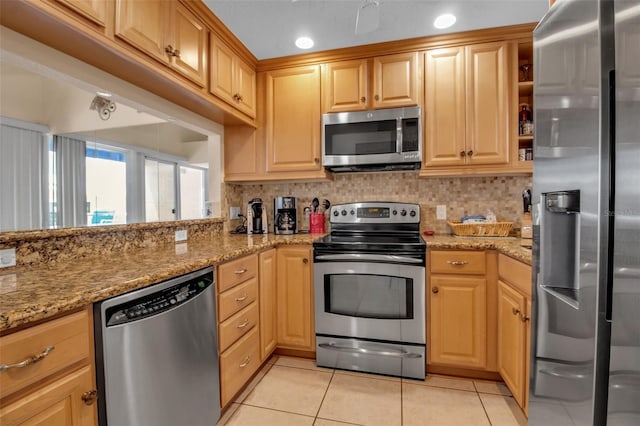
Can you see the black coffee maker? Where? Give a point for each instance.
(285, 220)
(256, 217)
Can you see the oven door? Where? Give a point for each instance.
(374, 300)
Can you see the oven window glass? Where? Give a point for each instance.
(369, 296)
(376, 137)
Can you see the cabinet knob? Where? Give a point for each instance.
(363, 99)
(462, 153)
(316, 160)
(376, 97)
(470, 153)
(305, 260)
(169, 50)
(236, 97)
(524, 318)
(89, 397)
(515, 311)
(435, 290)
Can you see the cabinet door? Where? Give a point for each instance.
(190, 39)
(145, 25)
(458, 321)
(511, 339)
(396, 80)
(294, 298)
(344, 86)
(267, 303)
(293, 119)
(444, 107)
(57, 404)
(487, 97)
(222, 71)
(93, 10)
(245, 79)
(243, 154)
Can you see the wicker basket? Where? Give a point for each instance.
(483, 229)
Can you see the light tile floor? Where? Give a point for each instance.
(294, 391)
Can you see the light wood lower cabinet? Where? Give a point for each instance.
(514, 326)
(268, 320)
(59, 388)
(294, 291)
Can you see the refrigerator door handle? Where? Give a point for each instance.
(612, 201)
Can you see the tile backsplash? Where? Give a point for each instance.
(461, 195)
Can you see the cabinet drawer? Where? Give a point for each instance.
(238, 325)
(69, 337)
(233, 273)
(238, 363)
(457, 262)
(231, 301)
(516, 273)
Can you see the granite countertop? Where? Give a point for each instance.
(30, 294)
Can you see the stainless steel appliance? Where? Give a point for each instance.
(585, 367)
(385, 139)
(369, 288)
(157, 354)
(286, 215)
(256, 217)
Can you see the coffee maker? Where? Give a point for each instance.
(256, 217)
(285, 212)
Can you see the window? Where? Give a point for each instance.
(106, 176)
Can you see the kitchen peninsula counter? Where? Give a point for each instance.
(33, 293)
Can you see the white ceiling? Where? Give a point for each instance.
(268, 28)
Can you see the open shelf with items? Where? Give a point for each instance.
(523, 108)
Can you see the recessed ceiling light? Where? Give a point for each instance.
(103, 93)
(444, 21)
(304, 43)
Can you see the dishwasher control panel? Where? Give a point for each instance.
(158, 302)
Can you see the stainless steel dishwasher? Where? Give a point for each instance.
(157, 354)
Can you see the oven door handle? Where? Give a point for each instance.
(365, 257)
(394, 353)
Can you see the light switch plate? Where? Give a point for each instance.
(441, 212)
(234, 212)
(7, 257)
(181, 235)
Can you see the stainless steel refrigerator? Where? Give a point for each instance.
(585, 356)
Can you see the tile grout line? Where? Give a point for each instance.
(484, 408)
(333, 373)
(274, 409)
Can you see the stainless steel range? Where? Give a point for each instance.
(369, 288)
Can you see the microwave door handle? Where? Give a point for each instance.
(399, 135)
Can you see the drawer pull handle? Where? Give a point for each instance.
(240, 271)
(31, 360)
(245, 362)
(457, 262)
(241, 298)
(89, 397)
(244, 324)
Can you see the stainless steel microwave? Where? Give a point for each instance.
(384, 139)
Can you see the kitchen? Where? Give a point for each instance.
(499, 192)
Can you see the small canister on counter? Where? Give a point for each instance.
(316, 223)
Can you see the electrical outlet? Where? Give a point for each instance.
(181, 235)
(7, 257)
(441, 212)
(234, 212)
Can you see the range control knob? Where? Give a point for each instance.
(412, 213)
(352, 212)
(394, 212)
(336, 213)
(403, 212)
(343, 212)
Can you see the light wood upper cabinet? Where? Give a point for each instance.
(168, 32)
(93, 10)
(444, 126)
(458, 321)
(268, 320)
(382, 82)
(487, 103)
(396, 80)
(295, 298)
(345, 86)
(467, 92)
(231, 78)
(293, 120)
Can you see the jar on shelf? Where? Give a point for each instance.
(524, 119)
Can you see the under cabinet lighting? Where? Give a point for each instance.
(103, 93)
(304, 43)
(444, 21)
